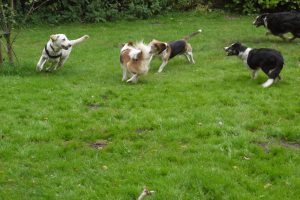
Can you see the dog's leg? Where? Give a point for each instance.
(52, 67)
(41, 63)
(277, 79)
(268, 83)
(191, 56)
(254, 74)
(162, 66)
(61, 62)
(188, 57)
(79, 40)
(124, 77)
(133, 79)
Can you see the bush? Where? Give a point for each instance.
(258, 6)
(110, 10)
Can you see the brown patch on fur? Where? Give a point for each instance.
(188, 47)
(158, 47)
(133, 65)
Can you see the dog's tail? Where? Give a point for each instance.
(192, 35)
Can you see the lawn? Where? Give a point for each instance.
(203, 131)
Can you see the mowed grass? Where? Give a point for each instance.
(203, 131)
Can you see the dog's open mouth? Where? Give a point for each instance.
(229, 53)
(65, 47)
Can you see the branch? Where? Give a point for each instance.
(145, 193)
(41, 5)
(31, 10)
(16, 56)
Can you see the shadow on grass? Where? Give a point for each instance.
(28, 70)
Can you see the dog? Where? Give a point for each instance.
(57, 51)
(166, 51)
(135, 60)
(269, 60)
(280, 23)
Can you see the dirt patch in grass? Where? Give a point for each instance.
(231, 17)
(141, 131)
(282, 143)
(100, 144)
(263, 145)
(94, 106)
(290, 144)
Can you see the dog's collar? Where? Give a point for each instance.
(51, 56)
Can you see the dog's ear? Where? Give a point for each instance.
(162, 46)
(130, 43)
(53, 37)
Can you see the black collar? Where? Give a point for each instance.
(50, 56)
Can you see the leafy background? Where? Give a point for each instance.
(101, 11)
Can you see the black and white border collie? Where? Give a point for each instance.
(280, 23)
(269, 60)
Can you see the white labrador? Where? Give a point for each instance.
(57, 51)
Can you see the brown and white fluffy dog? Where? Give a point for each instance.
(171, 49)
(135, 59)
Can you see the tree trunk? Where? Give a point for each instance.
(8, 37)
(9, 48)
(1, 57)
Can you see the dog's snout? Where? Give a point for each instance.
(226, 48)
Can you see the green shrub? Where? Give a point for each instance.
(110, 10)
(256, 6)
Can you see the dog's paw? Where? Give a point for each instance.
(39, 69)
(86, 37)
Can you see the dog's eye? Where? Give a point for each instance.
(64, 39)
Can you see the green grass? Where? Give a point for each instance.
(203, 131)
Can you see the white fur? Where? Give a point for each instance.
(134, 53)
(268, 83)
(265, 22)
(255, 20)
(58, 43)
(145, 63)
(244, 55)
